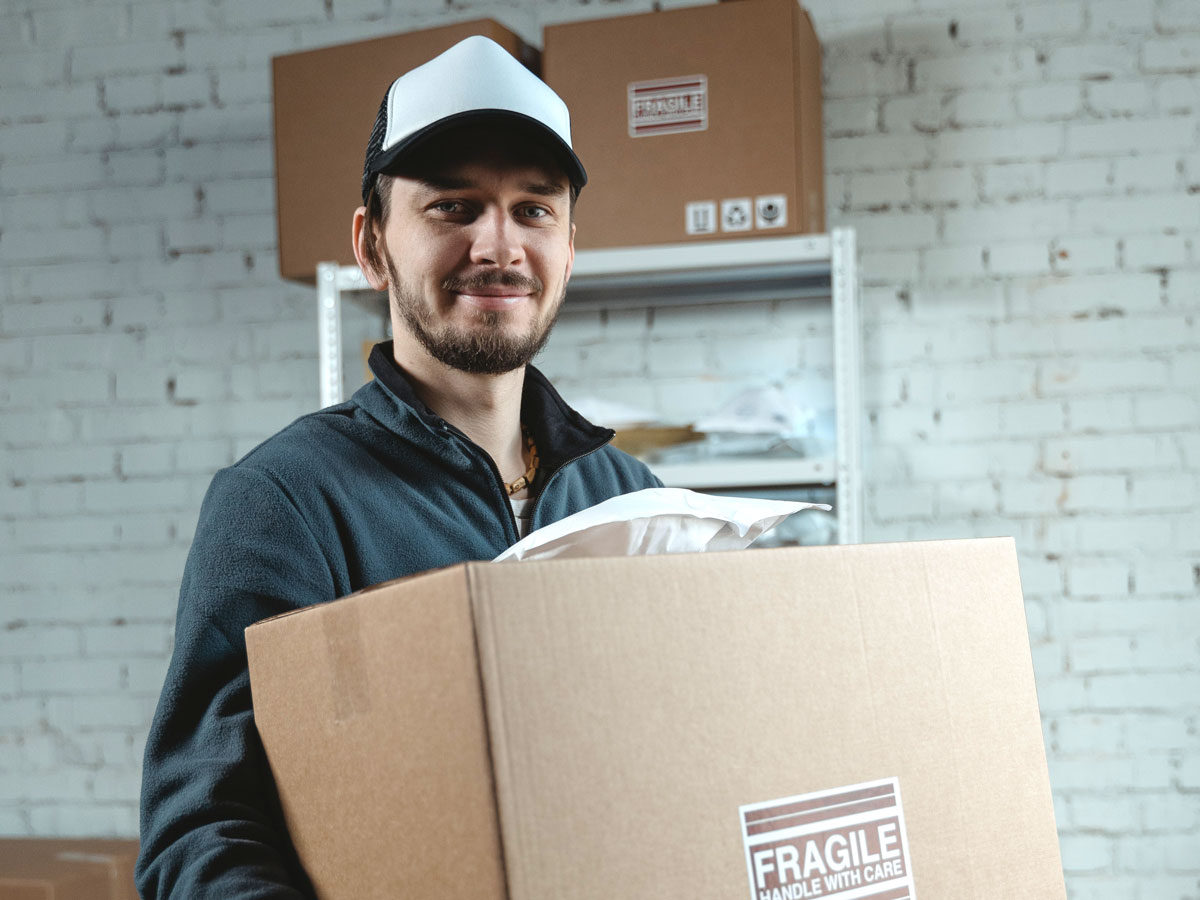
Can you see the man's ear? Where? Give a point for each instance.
(360, 236)
(570, 254)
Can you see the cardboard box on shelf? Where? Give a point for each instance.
(325, 103)
(699, 123)
(855, 721)
(63, 869)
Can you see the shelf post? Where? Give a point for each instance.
(847, 363)
(329, 333)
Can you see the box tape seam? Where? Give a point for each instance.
(862, 644)
(348, 685)
(494, 729)
(956, 753)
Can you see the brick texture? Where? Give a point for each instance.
(1024, 179)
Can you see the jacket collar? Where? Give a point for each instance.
(560, 432)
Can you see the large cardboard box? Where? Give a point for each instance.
(843, 722)
(325, 104)
(61, 869)
(694, 124)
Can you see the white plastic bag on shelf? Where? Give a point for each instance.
(656, 520)
(611, 413)
(767, 410)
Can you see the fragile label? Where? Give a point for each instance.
(700, 217)
(847, 843)
(668, 105)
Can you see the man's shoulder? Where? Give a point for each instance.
(303, 443)
(303, 454)
(316, 440)
(332, 449)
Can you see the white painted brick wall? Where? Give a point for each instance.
(1103, 507)
(1024, 180)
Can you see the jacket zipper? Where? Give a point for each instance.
(538, 496)
(499, 481)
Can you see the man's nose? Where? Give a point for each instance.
(497, 239)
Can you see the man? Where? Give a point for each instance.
(468, 195)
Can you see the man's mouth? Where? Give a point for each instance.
(491, 301)
(493, 292)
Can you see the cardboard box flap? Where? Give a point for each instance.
(382, 587)
(381, 676)
(661, 724)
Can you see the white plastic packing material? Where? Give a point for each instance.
(656, 520)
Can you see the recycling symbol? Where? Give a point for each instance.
(737, 214)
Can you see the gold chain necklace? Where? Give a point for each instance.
(527, 479)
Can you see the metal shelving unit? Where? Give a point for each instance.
(804, 267)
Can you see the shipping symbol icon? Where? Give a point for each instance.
(848, 843)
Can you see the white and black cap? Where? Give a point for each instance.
(475, 80)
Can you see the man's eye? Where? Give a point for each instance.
(452, 207)
(534, 212)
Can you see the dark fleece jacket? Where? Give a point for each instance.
(363, 492)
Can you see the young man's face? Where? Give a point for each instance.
(478, 245)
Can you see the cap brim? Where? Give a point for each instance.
(562, 152)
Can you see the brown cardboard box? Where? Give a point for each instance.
(58, 869)
(668, 726)
(694, 124)
(325, 104)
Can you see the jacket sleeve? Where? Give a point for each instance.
(210, 819)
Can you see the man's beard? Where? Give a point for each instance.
(486, 349)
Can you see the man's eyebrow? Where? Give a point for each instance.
(435, 183)
(544, 188)
(446, 183)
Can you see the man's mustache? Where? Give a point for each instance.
(464, 284)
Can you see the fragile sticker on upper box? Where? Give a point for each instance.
(668, 106)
